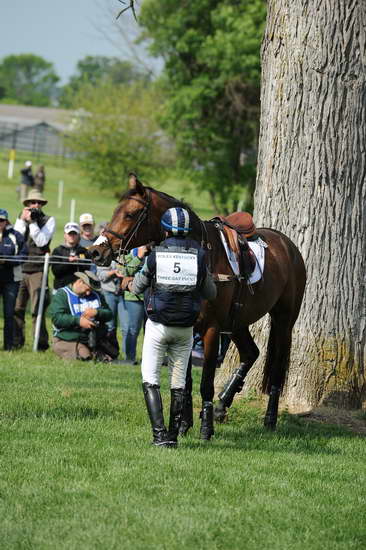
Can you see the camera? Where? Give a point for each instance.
(92, 336)
(35, 214)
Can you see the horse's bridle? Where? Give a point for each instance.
(143, 214)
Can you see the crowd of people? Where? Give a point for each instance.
(23, 246)
(87, 303)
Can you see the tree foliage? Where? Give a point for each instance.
(211, 50)
(97, 70)
(117, 132)
(27, 79)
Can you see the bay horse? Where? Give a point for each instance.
(136, 221)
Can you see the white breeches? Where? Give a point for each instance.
(176, 343)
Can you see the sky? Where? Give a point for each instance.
(65, 31)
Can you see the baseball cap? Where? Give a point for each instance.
(4, 214)
(28, 163)
(89, 278)
(86, 218)
(71, 226)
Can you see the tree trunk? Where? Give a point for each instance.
(311, 185)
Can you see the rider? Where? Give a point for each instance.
(176, 279)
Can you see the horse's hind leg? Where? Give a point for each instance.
(248, 353)
(277, 362)
(187, 420)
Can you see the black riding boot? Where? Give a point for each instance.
(154, 407)
(176, 414)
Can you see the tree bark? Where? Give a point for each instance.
(311, 184)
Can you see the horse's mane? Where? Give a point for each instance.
(173, 200)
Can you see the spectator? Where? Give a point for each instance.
(37, 230)
(11, 244)
(87, 230)
(131, 308)
(40, 179)
(79, 314)
(27, 180)
(110, 278)
(127, 307)
(71, 253)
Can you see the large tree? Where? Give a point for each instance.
(27, 79)
(211, 77)
(312, 185)
(96, 70)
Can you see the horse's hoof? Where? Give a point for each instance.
(270, 424)
(184, 428)
(220, 413)
(207, 424)
(206, 436)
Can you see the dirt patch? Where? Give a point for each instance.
(355, 421)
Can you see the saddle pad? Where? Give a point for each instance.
(258, 247)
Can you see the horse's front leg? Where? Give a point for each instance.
(211, 348)
(248, 352)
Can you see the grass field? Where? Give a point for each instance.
(77, 470)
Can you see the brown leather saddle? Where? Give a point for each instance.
(238, 228)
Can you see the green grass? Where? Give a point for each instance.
(77, 470)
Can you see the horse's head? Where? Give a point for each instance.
(135, 221)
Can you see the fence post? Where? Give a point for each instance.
(11, 164)
(60, 193)
(72, 210)
(41, 301)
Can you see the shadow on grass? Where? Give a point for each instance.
(293, 435)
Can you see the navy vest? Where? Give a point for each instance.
(177, 301)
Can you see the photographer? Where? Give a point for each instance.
(79, 314)
(69, 257)
(37, 230)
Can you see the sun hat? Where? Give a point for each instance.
(89, 278)
(86, 219)
(4, 214)
(72, 227)
(34, 195)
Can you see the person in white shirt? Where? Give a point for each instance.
(38, 230)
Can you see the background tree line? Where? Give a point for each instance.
(199, 116)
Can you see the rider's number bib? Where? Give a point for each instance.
(176, 270)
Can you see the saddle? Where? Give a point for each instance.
(238, 228)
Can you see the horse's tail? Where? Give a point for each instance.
(277, 359)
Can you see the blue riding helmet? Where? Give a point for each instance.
(176, 221)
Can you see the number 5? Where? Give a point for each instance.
(176, 267)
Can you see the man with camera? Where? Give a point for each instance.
(69, 257)
(38, 230)
(79, 314)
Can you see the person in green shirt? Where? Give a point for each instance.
(131, 309)
(79, 311)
